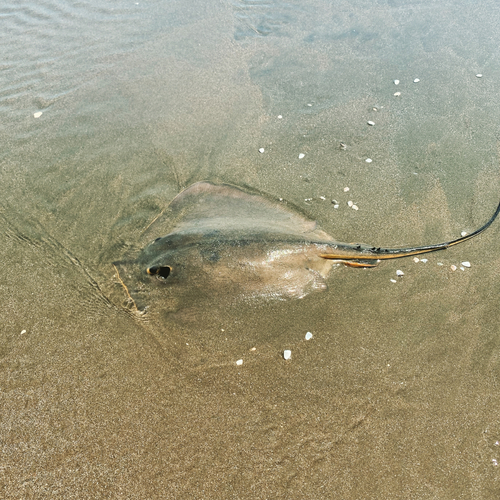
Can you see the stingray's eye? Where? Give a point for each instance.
(162, 271)
(157, 239)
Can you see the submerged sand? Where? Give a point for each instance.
(397, 393)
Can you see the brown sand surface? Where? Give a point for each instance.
(396, 396)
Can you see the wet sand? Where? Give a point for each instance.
(395, 396)
(397, 393)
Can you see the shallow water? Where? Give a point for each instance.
(396, 394)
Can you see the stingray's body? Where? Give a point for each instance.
(222, 239)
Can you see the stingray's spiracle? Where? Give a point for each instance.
(161, 271)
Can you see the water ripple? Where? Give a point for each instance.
(256, 18)
(48, 48)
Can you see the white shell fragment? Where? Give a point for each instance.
(350, 203)
(287, 354)
(368, 160)
(24, 331)
(301, 155)
(37, 114)
(479, 75)
(439, 263)
(396, 82)
(423, 260)
(336, 205)
(463, 233)
(309, 336)
(355, 207)
(261, 150)
(416, 80)
(416, 259)
(322, 198)
(346, 189)
(279, 117)
(393, 280)
(397, 94)
(453, 267)
(400, 273)
(239, 362)
(370, 123)
(466, 263)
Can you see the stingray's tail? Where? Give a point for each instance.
(374, 253)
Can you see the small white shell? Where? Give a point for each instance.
(397, 94)
(24, 331)
(423, 260)
(368, 160)
(37, 114)
(350, 203)
(309, 336)
(466, 263)
(346, 189)
(287, 354)
(396, 82)
(416, 80)
(370, 123)
(280, 117)
(261, 150)
(393, 280)
(479, 75)
(453, 267)
(416, 259)
(239, 362)
(355, 207)
(400, 273)
(301, 156)
(463, 233)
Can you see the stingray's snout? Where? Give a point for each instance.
(162, 271)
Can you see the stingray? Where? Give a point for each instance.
(221, 239)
